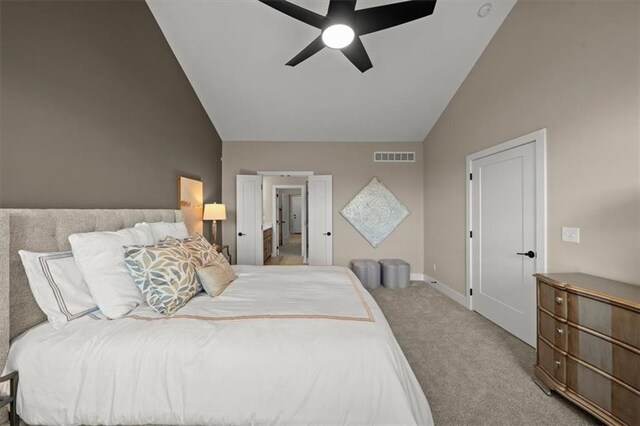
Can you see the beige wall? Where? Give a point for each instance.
(96, 111)
(352, 166)
(570, 67)
(267, 192)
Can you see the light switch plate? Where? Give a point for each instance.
(570, 234)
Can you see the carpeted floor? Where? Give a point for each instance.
(293, 247)
(472, 371)
(290, 253)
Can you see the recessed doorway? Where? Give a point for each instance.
(255, 218)
(289, 217)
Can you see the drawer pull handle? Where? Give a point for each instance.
(558, 364)
(559, 331)
(559, 300)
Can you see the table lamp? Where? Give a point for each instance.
(214, 212)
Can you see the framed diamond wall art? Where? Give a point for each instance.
(375, 212)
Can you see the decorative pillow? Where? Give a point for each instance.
(100, 258)
(216, 276)
(225, 264)
(162, 230)
(164, 274)
(202, 252)
(58, 286)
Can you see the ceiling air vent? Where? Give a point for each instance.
(394, 157)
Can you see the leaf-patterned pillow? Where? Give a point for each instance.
(202, 252)
(164, 274)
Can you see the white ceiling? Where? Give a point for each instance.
(234, 53)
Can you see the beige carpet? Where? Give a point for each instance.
(290, 253)
(472, 371)
(293, 246)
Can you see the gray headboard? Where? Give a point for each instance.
(48, 231)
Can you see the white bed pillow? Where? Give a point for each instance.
(100, 258)
(161, 230)
(58, 286)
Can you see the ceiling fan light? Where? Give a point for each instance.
(338, 36)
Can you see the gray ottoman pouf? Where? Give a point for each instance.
(367, 271)
(395, 273)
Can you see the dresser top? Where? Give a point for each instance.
(627, 294)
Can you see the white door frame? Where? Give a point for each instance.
(539, 139)
(283, 174)
(274, 222)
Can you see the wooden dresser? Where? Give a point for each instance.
(267, 236)
(589, 344)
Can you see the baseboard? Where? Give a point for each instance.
(417, 277)
(448, 291)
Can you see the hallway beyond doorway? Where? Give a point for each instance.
(290, 253)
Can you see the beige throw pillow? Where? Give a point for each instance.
(216, 276)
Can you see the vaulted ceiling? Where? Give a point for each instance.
(234, 53)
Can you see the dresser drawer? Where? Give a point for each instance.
(552, 361)
(552, 330)
(603, 392)
(609, 357)
(552, 299)
(611, 320)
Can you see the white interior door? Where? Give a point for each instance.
(320, 220)
(286, 218)
(296, 214)
(249, 237)
(503, 243)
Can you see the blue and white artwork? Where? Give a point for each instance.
(375, 212)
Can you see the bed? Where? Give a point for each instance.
(282, 345)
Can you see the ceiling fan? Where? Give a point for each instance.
(342, 27)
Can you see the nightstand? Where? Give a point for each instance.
(11, 399)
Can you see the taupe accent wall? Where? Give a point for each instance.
(352, 167)
(570, 67)
(96, 110)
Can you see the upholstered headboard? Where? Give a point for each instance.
(48, 231)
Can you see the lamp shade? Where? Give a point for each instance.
(214, 212)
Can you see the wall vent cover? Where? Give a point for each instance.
(394, 157)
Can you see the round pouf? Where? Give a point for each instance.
(367, 271)
(395, 273)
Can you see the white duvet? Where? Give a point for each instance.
(281, 345)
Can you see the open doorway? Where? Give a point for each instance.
(289, 230)
(285, 215)
(257, 223)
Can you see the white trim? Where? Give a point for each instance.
(284, 173)
(274, 216)
(446, 290)
(416, 276)
(539, 139)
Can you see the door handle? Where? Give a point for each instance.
(531, 254)
(240, 234)
(328, 234)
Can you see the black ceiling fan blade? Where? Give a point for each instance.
(357, 54)
(296, 12)
(389, 15)
(341, 9)
(314, 47)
